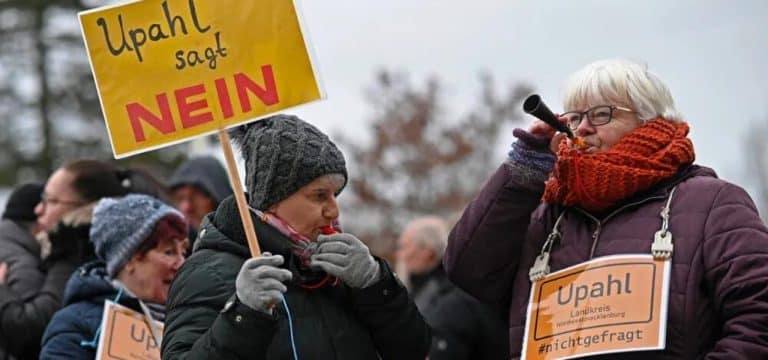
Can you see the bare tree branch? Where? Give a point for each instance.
(420, 160)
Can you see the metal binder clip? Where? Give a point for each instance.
(540, 267)
(662, 247)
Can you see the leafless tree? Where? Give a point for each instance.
(421, 160)
(49, 108)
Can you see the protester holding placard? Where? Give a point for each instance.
(140, 243)
(632, 190)
(314, 293)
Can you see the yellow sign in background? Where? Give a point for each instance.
(170, 70)
(607, 305)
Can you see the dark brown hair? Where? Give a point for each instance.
(95, 179)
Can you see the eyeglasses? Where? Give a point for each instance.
(46, 200)
(598, 115)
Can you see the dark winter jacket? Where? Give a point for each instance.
(718, 302)
(72, 331)
(34, 289)
(205, 320)
(21, 252)
(463, 328)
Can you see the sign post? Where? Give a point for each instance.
(242, 205)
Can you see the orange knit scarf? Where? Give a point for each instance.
(642, 158)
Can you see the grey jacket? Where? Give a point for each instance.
(27, 305)
(21, 252)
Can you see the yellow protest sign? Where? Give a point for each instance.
(125, 334)
(606, 305)
(170, 70)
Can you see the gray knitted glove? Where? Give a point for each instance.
(346, 257)
(259, 284)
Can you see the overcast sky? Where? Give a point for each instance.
(711, 54)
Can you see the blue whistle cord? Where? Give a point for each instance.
(290, 329)
(93, 342)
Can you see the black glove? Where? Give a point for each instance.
(70, 243)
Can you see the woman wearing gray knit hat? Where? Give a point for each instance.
(140, 243)
(314, 293)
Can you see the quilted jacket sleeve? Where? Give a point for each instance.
(736, 263)
(484, 246)
(23, 321)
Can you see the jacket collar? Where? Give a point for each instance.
(223, 230)
(663, 188)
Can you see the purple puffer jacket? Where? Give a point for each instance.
(718, 303)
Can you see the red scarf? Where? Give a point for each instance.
(598, 181)
(301, 246)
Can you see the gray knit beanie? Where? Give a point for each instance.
(283, 153)
(120, 226)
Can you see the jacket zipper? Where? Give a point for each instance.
(596, 234)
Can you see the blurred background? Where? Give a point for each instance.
(422, 96)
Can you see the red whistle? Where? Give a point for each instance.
(328, 230)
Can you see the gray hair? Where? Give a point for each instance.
(621, 82)
(430, 232)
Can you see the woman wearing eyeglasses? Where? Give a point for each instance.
(633, 190)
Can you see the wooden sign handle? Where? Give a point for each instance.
(237, 189)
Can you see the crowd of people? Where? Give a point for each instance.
(177, 251)
(56, 244)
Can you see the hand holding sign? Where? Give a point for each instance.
(260, 282)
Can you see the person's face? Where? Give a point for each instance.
(312, 207)
(149, 275)
(59, 197)
(193, 203)
(603, 137)
(414, 258)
